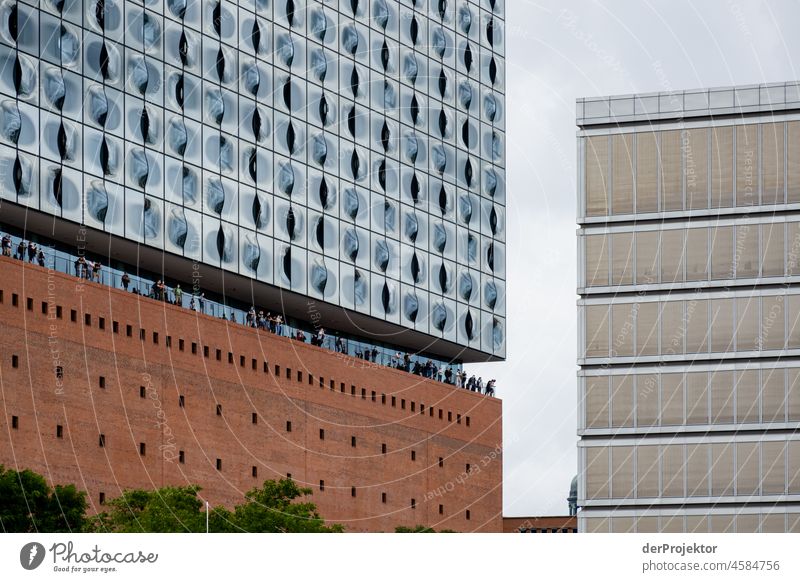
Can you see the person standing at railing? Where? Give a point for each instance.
(21, 250)
(178, 295)
(125, 280)
(96, 272)
(31, 252)
(40, 258)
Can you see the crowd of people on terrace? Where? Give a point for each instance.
(92, 270)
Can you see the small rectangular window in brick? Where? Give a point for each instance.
(288, 373)
(352, 441)
(219, 409)
(383, 398)
(87, 318)
(14, 422)
(180, 344)
(322, 434)
(383, 497)
(129, 331)
(449, 416)
(394, 401)
(266, 368)
(441, 414)
(181, 401)
(194, 348)
(219, 355)
(413, 455)
(383, 448)
(299, 376)
(102, 441)
(288, 426)
(413, 406)
(321, 485)
(241, 361)
(254, 418)
(277, 370)
(413, 504)
(142, 449)
(352, 491)
(15, 300)
(403, 403)
(219, 464)
(310, 380)
(341, 387)
(467, 420)
(59, 312)
(44, 307)
(421, 408)
(181, 457)
(205, 351)
(374, 396)
(254, 471)
(254, 364)
(142, 334)
(230, 357)
(115, 326)
(467, 515)
(441, 462)
(60, 372)
(169, 341)
(59, 431)
(363, 394)
(102, 498)
(15, 361)
(468, 467)
(441, 509)
(102, 381)
(29, 303)
(458, 419)
(101, 323)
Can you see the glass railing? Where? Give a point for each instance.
(57, 258)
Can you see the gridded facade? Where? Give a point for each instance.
(350, 151)
(689, 316)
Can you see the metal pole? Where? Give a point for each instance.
(206, 516)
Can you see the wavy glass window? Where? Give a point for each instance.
(721, 251)
(622, 401)
(597, 328)
(622, 472)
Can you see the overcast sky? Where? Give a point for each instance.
(556, 52)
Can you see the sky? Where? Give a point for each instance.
(557, 52)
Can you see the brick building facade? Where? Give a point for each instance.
(110, 390)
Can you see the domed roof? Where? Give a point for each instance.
(573, 488)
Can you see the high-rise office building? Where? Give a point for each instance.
(340, 163)
(689, 240)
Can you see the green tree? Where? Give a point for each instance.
(29, 504)
(419, 529)
(165, 510)
(271, 508)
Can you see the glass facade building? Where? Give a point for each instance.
(689, 311)
(349, 154)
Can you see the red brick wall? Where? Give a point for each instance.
(32, 393)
